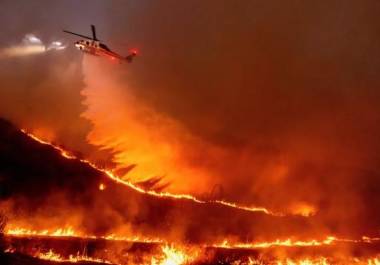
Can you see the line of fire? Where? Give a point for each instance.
(87, 234)
(203, 132)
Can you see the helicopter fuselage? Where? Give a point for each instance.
(93, 46)
(96, 48)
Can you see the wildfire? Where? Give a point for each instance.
(277, 243)
(320, 261)
(102, 186)
(112, 176)
(51, 255)
(295, 243)
(173, 256)
(70, 232)
(325, 261)
(189, 254)
(176, 256)
(169, 255)
(60, 232)
(303, 209)
(311, 261)
(374, 261)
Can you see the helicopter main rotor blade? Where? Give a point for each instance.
(93, 32)
(83, 36)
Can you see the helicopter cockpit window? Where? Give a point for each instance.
(104, 46)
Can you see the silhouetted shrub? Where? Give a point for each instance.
(3, 223)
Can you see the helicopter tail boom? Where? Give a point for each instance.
(130, 57)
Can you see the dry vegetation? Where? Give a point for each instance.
(3, 222)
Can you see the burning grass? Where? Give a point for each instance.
(238, 242)
(112, 176)
(60, 248)
(173, 254)
(2, 228)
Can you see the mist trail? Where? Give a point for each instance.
(153, 144)
(30, 45)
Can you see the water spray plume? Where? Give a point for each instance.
(137, 134)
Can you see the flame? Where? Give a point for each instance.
(374, 261)
(170, 256)
(70, 232)
(311, 261)
(60, 232)
(329, 240)
(303, 209)
(52, 256)
(179, 255)
(112, 176)
(102, 186)
(277, 243)
(319, 261)
(325, 261)
(10, 250)
(188, 254)
(173, 256)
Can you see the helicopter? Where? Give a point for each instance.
(92, 45)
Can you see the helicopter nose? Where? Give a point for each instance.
(78, 46)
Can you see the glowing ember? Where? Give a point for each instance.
(10, 250)
(102, 186)
(303, 209)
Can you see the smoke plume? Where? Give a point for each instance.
(149, 143)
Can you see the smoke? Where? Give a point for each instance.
(55, 192)
(299, 173)
(235, 101)
(30, 45)
(148, 143)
